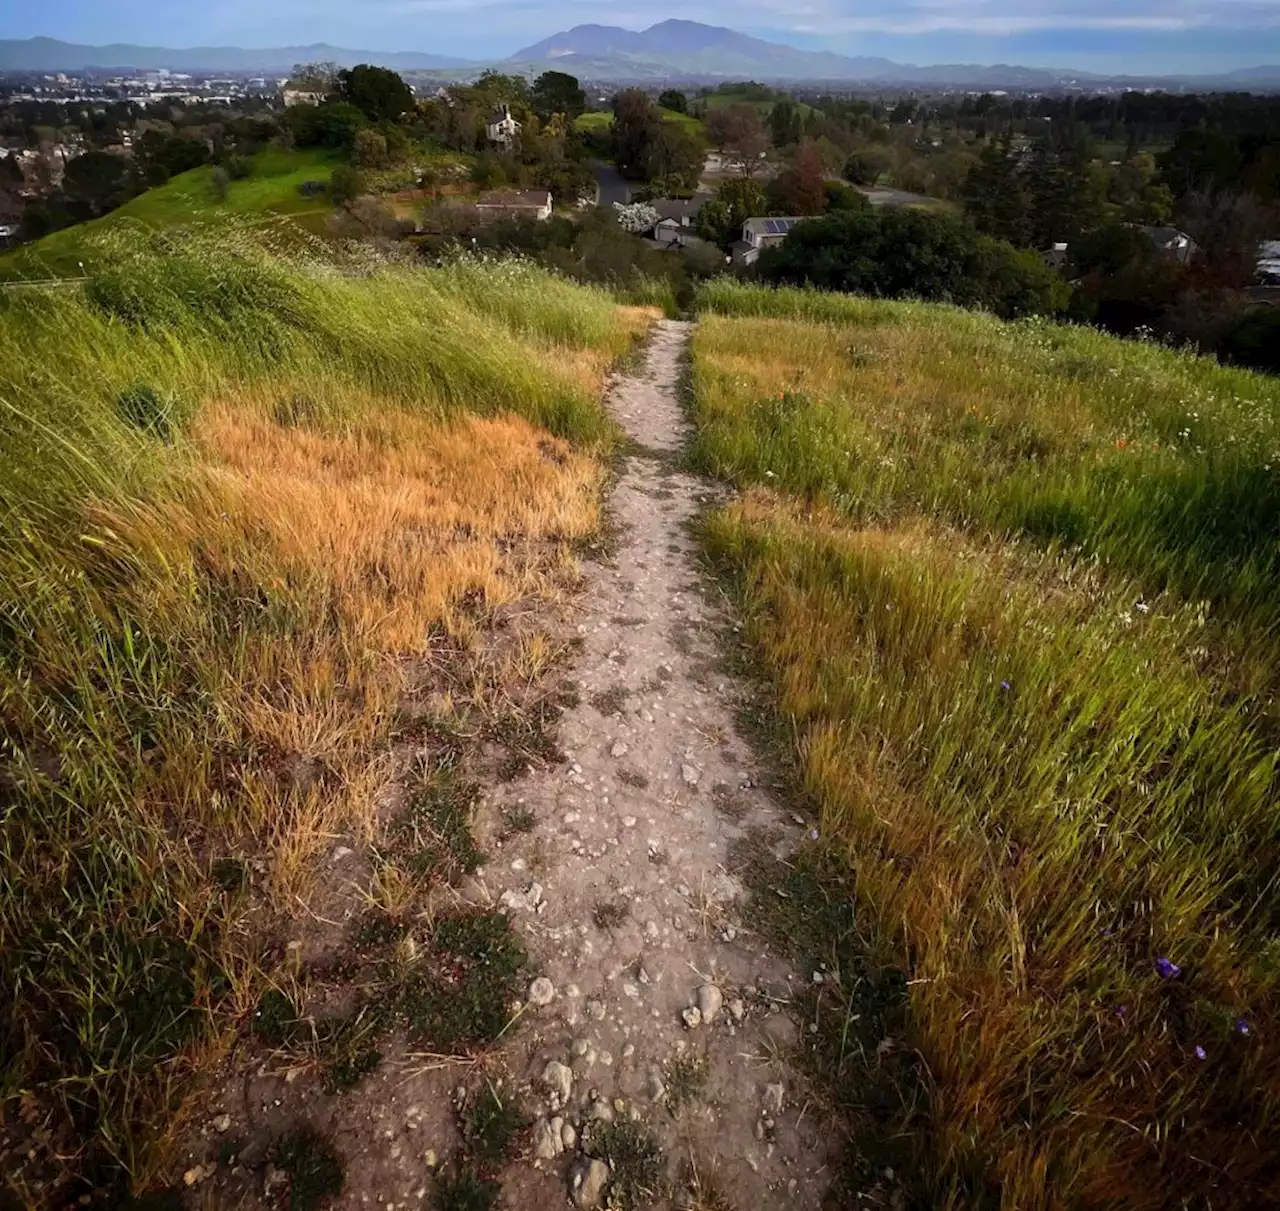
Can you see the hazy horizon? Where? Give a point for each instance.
(1110, 36)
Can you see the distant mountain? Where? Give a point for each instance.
(688, 48)
(48, 54)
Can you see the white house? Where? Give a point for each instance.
(302, 96)
(759, 234)
(502, 128)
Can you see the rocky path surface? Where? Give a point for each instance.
(656, 1005)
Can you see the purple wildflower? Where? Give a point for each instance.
(1122, 1011)
(1201, 1053)
(1167, 968)
(1006, 686)
(813, 834)
(1242, 1027)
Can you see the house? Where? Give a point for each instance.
(8, 233)
(302, 96)
(501, 127)
(759, 234)
(676, 218)
(1269, 263)
(515, 203)
(1171, 243)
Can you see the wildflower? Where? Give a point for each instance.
(1167, 969)
(1006, 686)
(1122, 1011)
(1142, 607)
(1242, 1027)
(1201, 1053)
(813, 834)
(1121, 443)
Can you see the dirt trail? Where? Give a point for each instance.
(640, 822)
(657, 1017)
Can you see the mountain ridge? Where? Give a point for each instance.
(669, 50)
(53, 54)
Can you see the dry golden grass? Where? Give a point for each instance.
(257, 507)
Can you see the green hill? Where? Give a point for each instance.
(271, 191)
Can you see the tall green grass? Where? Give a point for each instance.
(153, 658)
(1014, 588)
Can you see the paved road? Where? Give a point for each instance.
(612, 188)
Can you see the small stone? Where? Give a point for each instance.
(519, 864)
(192, 1176)
(738, 1009)
(600, 1112)
(558, 1079)
(619, 749)
(547, 1144)
(430, 1158)
(710, 999)
(773, 1095)
(542, 991)
(587, 1180)
(222, 1124)
(690, 775)
(656, 1087)
(631, 990)
(818, 977)
(568, 1136)
(628, 821)
(595, 1009)
(692, 1017)
(729, 933)
(342, 852)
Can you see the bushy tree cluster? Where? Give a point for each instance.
(904, 253)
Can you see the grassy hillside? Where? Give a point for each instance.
(270, 192)
(245, 498)
(602, 119)
(1015, 589)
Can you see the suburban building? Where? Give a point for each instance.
(515, 203)
(759, 234)
(302, 96)
(502, 128)
(676, 217)
(1172, 243)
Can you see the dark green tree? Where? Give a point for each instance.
(674, 100)
(333, 124)
(345, 185)
(96, 183)
(786, 125)
(996, 200)
(377, 92)
(636, 124)
(897, 253)
(676, 159)
(557, 92)
(720, 220)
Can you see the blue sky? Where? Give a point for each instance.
(1102, 35)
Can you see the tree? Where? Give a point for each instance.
(786, 124)
(345, 185)
(319, 77)
(865, 167)
(96, 183)
(635, 129)
(556, 92)
(844, 197)
(333, 124)
(369, 150)
(676, 159)
(896, 253)
(800, 188)
(378, 93)
(720, 220)
(737, 130)
(674, 100)
(1201, 159)
(995, 199)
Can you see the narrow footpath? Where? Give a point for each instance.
(657, 1005)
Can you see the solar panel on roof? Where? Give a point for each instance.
(775, 227)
